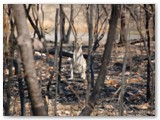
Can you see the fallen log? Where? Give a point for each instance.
(64, 53)
(132, 42)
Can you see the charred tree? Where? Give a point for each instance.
(55, 71)
(36, 22)
(35, 27)
(62, 14)
(123, 80)
(90, 57)
(69, 28)
(153, 19)
(26, 50)
(122, 31)
(153, 74)
(148, 44)
(99, 30)
(62, 39)
(6, 103)
(105, 61)
(17, 65)
(56, 60)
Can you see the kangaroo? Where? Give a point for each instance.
(78, 63)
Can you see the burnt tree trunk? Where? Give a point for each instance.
(36, 22)
(56, 60)
(153, 20)
(122, 32)
(105, 61)
(66, 36)
(90, 59)
(69, 28)
(123, 80)
(62, 39)
(6, 103)
(17, 65)
(153, 76)
(148, 44)
(26, 50)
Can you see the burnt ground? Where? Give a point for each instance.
(70, 102)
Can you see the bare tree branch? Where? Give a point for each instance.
(144, 40)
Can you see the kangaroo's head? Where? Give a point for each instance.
(79, 44)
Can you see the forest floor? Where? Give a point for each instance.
(70, 100)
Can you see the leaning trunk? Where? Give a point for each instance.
(24, 42)
(105, 61)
